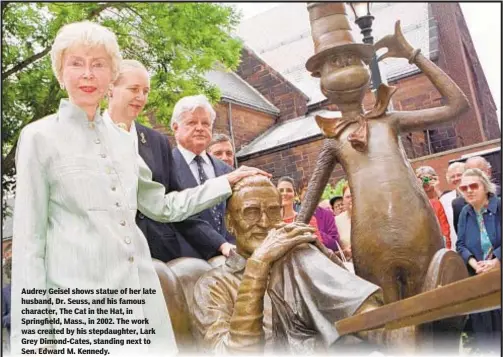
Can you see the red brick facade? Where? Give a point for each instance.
(455, 55)
(247, 124)
(291, 102)
(440, 161)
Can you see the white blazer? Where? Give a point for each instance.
(79, 184)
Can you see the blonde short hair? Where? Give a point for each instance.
(489, 187)
(128, 64)
(85, 33)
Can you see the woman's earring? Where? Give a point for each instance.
(62, 85)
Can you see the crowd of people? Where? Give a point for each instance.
(83, 175)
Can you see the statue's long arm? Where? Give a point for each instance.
(324, 166)
(456, 104)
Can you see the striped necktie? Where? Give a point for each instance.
(216, 211)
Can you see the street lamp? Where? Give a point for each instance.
(364, 19)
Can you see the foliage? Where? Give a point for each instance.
(331, 191)
(339, 186)
(328, 192)
(177, 42)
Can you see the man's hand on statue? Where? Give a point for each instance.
(244, 171)
(396, 44)
(280, 241)
(226, 248)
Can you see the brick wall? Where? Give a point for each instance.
(458, 59)
(247, 124)
(440, 161)
(291, 102)
(297, 162)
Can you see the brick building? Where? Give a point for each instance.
(268, 104)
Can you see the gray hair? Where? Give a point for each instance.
(85, 33)
(219, 138)
(189, 104)
(489, 187)
(127, 65)
(456, 165)
(475, 160)
(426, 170)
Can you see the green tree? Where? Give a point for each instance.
(177, 42)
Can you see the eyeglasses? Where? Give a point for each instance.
(253, 215)
(473, 187)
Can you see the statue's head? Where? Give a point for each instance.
(253, 209)
(339, 62)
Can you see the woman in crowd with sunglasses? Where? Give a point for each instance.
(479, 244)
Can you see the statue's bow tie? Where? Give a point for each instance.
(332, 127)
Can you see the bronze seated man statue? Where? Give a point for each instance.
(274, 279)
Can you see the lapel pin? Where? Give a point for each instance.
(142, 138)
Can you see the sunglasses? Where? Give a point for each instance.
(472, 187)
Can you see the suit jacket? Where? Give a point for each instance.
(457, 206)
(194, 237)
(187, 180)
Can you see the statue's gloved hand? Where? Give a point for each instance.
(396, 44)
(282, 239)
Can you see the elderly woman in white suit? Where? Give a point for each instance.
(79, 184)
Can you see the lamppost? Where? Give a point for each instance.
(364, 19)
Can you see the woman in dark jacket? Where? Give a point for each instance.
(479, 244)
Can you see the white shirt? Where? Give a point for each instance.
(189, 156)
(446, 201)
(343, 223)
(132, 128)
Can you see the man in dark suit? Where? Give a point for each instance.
(221, 147)
(193, 237)
(475, 162)
(192, 123)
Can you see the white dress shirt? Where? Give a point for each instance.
(189, 156)
(79, 185)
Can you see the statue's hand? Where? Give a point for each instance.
(396, 44)
(279, 241)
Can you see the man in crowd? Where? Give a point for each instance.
(475, 162)
(192, 123)
(193, 237)
(307, 287)
(453, 177)
(337, 205)
(221, 147)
